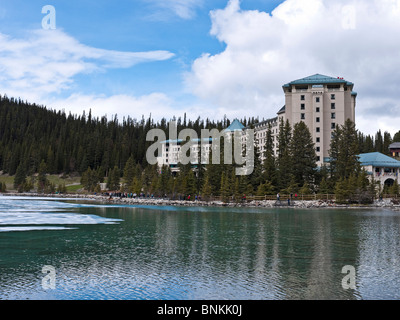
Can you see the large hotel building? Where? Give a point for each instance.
(320, 101)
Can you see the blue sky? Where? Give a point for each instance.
(206, 58)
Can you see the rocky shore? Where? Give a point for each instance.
(385, 203)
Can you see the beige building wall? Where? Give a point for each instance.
(321, 106)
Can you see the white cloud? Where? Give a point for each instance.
(47, 62)
(353, 39)
(184, 9)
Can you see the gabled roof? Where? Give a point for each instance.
(395, 145)
(283, 110)
(377, 159)
(318, 79)
(235, 126)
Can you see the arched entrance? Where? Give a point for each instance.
(389, 182)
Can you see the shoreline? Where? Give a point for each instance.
(298, 204)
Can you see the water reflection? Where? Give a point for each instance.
(207, 253)
(379, 256)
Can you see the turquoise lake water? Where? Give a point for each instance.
(166, 253)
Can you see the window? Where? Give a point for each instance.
(333, 115)
(318, 129)
(317, 120)
(303, 97)
(318, 140)
(318, 159)
(333, 96)
(318, 109)
(303, 116)
(303, 106)
(333, 106)
(317, 99)
(333, 126)
(318, 149)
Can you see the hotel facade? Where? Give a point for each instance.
(321, 102)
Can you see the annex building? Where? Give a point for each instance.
(382, 168)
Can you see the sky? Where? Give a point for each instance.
(206, 58)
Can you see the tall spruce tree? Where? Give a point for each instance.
(284, 159)
(20, 177)
(270, 173)
(344, 152)
(302, 151)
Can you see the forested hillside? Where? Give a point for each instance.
(71, 143)
(36, 141)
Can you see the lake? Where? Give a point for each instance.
(66, 249)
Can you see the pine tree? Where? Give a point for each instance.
(305, 189)
(269, 162)
(224, 187)
(129, 171)
(344, 152)
(20, 177)
(42, 179)
(206, 189)
(113, 182)
(324, 187)
(341, 192)
(191, 186)
(266, 189)
(302, 151)
(284, 159)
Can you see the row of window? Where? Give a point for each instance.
(318, 109)
(333, 127)
(317, 99)
(318, 119)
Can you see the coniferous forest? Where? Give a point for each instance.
(36, 142)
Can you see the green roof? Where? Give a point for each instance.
(318, 79)
(377, 159)
(235, 126)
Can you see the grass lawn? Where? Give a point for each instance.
(72, 183)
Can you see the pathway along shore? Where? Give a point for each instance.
(385, 203)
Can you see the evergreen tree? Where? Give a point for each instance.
(302, 150)
(379, 142)
(266, 189)
(305, 189)
(224, 187)
(269, 162)
(42, 179)
(90, 180)
(206, 189)
(344, 152)
(284, 159)
(113, 182)
(324, 187)
(396, 137)
(191, 186)
(341, 192)
(20, 177)
(129, 171)
(387, 141)
(136, 186)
